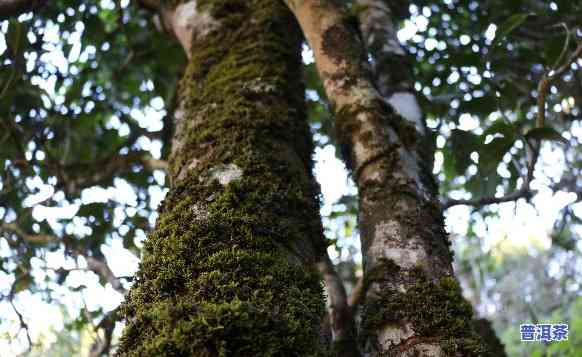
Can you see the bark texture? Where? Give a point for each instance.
(413, 304)
(391, 66)
(226, 271)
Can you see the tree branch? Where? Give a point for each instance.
(341, 316)
(97, 265)
(548, 78)
(29, 238)
(100, 267)
(106, 169)
(23, 324)
(484, 201)
(102, 346)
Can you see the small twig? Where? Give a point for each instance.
(23, 324)
(100, 267)
(29, 238)
(107, 324)
(514, 196)
(549, 77)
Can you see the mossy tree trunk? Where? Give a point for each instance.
(392, 73)
(227, 270)
(413, 304)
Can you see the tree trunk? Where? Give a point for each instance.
(413, 304)
(227, 270)
(392, 71)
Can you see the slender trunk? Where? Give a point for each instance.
(227, 269)
(413, 304)
(392, 72)
(391, 68)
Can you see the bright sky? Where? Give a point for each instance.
(518, 225)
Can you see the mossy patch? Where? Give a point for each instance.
(339, 43)
(434, 308)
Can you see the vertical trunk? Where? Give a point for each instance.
(225, 271)
(413, 304)
(392, 73)
(392, 68)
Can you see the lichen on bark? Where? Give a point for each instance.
(227, 269)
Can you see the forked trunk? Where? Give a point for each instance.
(413, 304)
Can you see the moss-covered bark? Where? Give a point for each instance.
(225, 271)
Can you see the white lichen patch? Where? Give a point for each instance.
(188, 23)
(390, 243)
(391, 335)
(392, 46)
(200, 212)
(224, 174)
(410, 170)
(259, 86)
(405, 104)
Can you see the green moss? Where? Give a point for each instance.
(224, 272)
(384, 268)
(435, 309)
(484, 328)
(339, 43)
(407, 133)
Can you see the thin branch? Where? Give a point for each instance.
(341, 316)
(100, 267)
(548, 78)
(29, 238)
(106, 169)
(97, 265)
(102, 346)
(514, 196)
(23, 324)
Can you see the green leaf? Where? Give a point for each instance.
(545, 133)
(508, 26)
(502, 127)
(23, 283)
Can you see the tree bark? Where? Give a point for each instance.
(228, 268)
(413, 304)
(392, 72)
